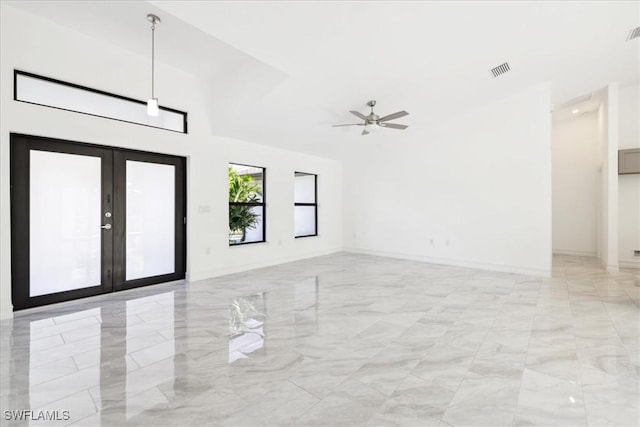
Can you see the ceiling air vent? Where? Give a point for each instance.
(499, 70)
(634, 34)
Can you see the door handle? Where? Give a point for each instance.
(106, 226)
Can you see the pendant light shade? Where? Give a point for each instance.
(153, 108)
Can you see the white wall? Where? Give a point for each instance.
(629, 185)
(474, 191)
(39, 46)
(575, 154)
(608, 177)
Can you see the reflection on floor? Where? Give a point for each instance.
(338, 340)
(246, 326)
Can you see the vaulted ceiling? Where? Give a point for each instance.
(282, 72)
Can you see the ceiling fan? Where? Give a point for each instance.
(372, 121)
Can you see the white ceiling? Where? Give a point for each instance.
(578, 106)
(282, 71)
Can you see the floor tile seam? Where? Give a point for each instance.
(553, 377)
(408, 327)
(126, 398)
(79, 421)
(322, 399)
(31, 385)
(629, 350)
(245, 401)
(64, 342)
(378, 411)
(93, 400)
(578, 367)
(62, 358)
(99, 363)
(460, 383)
(74, 320)
(67, 396)
(515, 412)
(143, 391)
(147, 348)
(98, 322)
(580, 379)
(309, 391)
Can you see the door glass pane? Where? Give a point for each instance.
(65, 214)
(150, 219)
(305, 220)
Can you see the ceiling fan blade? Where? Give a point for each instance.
(393, 126)
(365, 132)
(350, 124)
(393, 116)
(358, 114)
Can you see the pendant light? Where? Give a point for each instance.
(153, 109)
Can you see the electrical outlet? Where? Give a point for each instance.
(431, 241)
(207, 251)
(446, 243)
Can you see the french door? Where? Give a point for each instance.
(89, 219)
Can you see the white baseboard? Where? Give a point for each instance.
(574, 253)
(629, 264)
(209, 274)
(454, 262)
(611, 268)
(6, 311)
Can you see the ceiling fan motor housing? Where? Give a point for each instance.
(372, 118)
(373, 121)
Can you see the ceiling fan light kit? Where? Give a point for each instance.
(372, 122)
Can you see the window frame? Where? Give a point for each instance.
(17, 73)
(263, 204)
(315, 205)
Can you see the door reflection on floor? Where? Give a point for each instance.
(114, 361)
(105, 366)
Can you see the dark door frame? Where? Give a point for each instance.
(120, 210)
(113, 272)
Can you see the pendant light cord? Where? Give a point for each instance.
(153, 57)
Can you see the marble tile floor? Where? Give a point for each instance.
(338, 340)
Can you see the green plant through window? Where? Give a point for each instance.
(244, 196)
